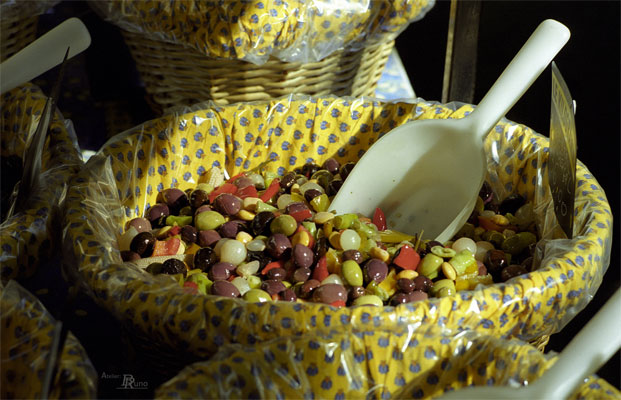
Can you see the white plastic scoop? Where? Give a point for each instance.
(43, 54)
(426, 174)
(583, 356)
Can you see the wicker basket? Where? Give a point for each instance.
(175, 75)
(15, 34)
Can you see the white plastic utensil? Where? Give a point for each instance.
(426, 174)
(43, 54)
(583, 356)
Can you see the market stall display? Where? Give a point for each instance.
(174, 327)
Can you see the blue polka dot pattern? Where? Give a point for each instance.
(330, 371)
(485, 310)
(24, 236)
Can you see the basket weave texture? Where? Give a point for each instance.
(196, 50)
(16, 34)
(18, 24)
(175, 75)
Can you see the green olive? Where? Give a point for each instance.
(429, 265)
(494, 237)
(374, 289)
(462, 260)
(369, 299)
(443, 252)
(344, 221)
(320, 203)
(352, 273)
(257, 296)
(155, 268)
(180, 220)
(208, 220)
(443, 288)
(518, 243)
(284, 224)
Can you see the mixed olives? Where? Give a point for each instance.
(265, 237)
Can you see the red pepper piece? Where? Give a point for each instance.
(166, 247)
(224, 188)
(234, 178)
(272, 265)
(407, 258)
(338, 303)
(489, 225)
(248, 191)
(272, 189)
(321, 269)
(300, 216)
(174, 231)
(379, 219)
(190, 287)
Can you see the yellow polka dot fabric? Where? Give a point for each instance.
(373, 364)
(298, 30)
(24, 237)
(176, 151)
(27, 332)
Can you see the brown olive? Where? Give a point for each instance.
(302, 256)
(406, 285)
(189, 234)
(174, 266)
(224, 288)
(198, 198)
(273, 286)
(375, 270)
(260, 224)
(512, 271)
(331, 165)
(204, 258)
(227, 204)
(287, 295)
(143, 244)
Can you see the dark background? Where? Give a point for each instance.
(115, 101)
(589, 63)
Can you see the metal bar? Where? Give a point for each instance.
(461, 51)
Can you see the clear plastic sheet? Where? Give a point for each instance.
(418, 362)
(176, 150)
(31, 366)
(292, 31)
(16, 9)
(27, 237)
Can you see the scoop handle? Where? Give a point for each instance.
(44, 53)
(588, 350)
(532, 59)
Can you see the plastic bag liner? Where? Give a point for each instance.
(415, 362)
(123, 179)
(292, 31)
(31, 367)
(27, 237)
